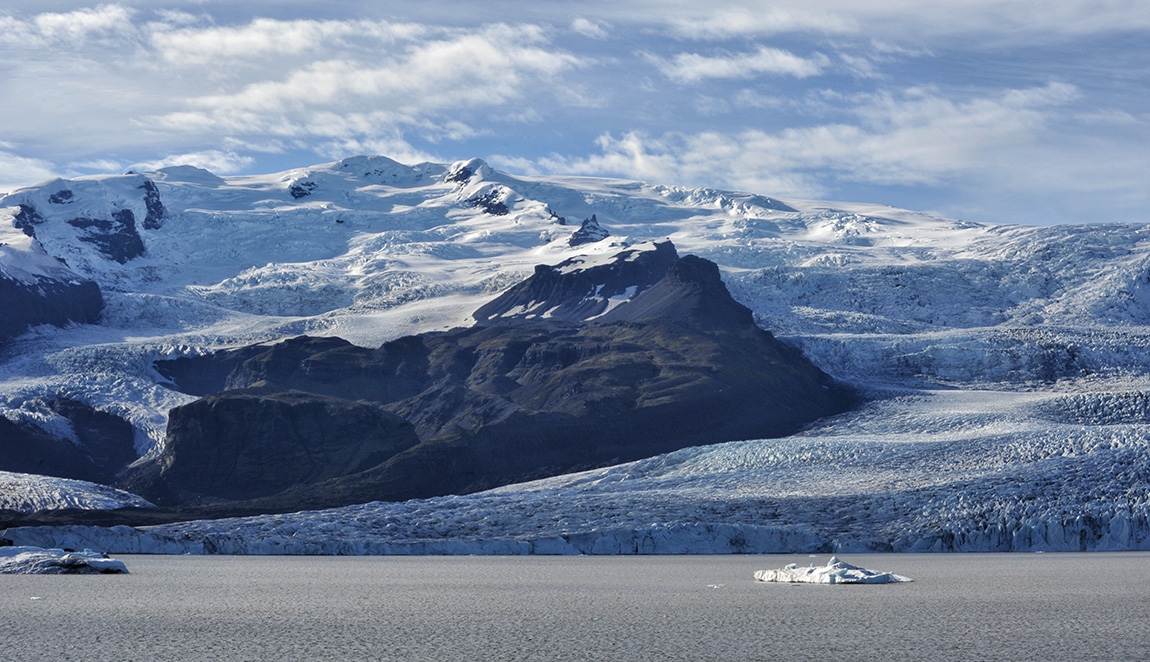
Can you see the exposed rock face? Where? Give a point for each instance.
(46, 301)
(28, 218)
(105, 445)
(589, 232)
(109, 225)
(301, 189)
(116, 239)
(107, 439)
(26, 449)
(154, 217)
(254, 443)
(680, 364)
(576, 293)
(491, 203)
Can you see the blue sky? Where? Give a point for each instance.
(983, 110)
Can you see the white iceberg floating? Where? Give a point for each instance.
(40, 561)
(834, 572)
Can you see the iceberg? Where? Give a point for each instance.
(40, 561)
(834, 572)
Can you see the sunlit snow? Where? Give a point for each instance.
(834, 572)
(38, 561)
(1007, 367)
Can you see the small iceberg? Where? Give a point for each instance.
(834, 572)
(40, 561)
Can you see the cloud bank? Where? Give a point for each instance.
(1001, 111)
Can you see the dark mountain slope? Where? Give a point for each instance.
(46, 300)
(104, 445)
(679, 364)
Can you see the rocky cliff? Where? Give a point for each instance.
(515, 397)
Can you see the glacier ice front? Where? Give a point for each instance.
(834, 572)
(40, 561)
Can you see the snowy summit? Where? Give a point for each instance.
(1002, 369)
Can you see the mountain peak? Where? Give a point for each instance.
(649, 281)
(582, 288)
(691, 291)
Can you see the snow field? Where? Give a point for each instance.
(1007, 365)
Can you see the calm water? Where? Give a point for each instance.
(961, 607)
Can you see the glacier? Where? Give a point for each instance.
(1006, 367)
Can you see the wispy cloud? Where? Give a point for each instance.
(592, 29)
(759, 20)
(218, 161)
(82, 24)
(266, 38)
(18, 171)
(983, 20)
(347, 97)
(791, 97)
(172, 80)
(914, 138)
(692, 67)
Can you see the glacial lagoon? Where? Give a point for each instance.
(960, 607)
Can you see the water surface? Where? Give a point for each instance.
(960, 607)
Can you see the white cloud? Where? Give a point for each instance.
(915, 138)
(391, 144)
(217, 161)
(19, 171)
(106, 24)
(84, 23)
(752, 99)
(94, 165)
(983, 20)
(692, 67)
(589, 28)
(344, 98)
(1109, 116)
(265, 38)
(90, 84)
(759, 20)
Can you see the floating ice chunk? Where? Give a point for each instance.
(40, 561)
(834, 572)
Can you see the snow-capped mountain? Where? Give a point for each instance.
(1007, 365)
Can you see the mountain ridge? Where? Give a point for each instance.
(964, 337)
(497, 403)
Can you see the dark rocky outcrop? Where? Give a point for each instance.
(106, 445)
(116, 236)
(459, 175)
(108, 440)
(27, 449)
(490, 203)
(116, 239)
(62, 197)
(252, 443)
(301, 189)
(154, 217)
(569, 291)
(27, 218)
(589, 232)
(47, 300)
(680, 364)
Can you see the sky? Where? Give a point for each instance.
(983, 110)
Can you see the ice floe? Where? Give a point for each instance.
(40, 561)
(834, 572)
